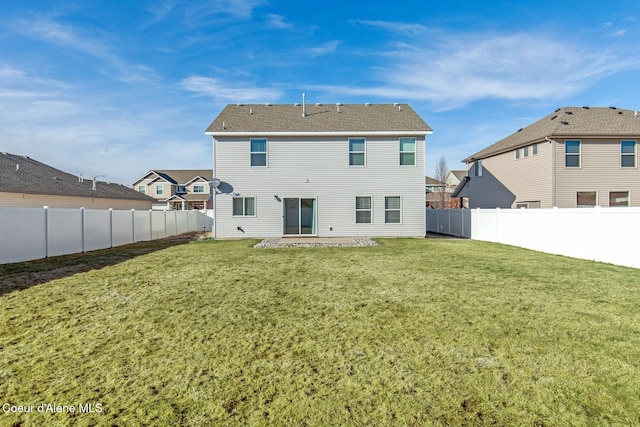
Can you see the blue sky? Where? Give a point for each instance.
(114, 88)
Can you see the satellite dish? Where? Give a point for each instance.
(215, 182)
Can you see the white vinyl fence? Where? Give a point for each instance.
(598, 234)
(32, 233)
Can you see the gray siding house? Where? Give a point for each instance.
(574, 157)
(318, 170)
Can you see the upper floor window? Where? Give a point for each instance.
(198, 188)
(534, 149)
(159, 189)
(357, 148)
(572, 154)
(259, 152)
(181, 189)
(628, 154)
(244, 206)
(517, 153)
(477, 166)
(142, 189)
(407, 151)
(525, 152)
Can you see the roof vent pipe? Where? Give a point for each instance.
(304, 105)
(80, 178)
(94, 184)
(17, 167)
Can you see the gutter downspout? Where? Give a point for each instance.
(553, 172)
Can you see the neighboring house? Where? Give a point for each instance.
(574, 157)
(319, 170)
(25, 182)
(439, 193)
(184, 189)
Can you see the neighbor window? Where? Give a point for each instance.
(618, 198)
(198, 188)
(517, 154)
(142, 189)
(181, 189)
(525, 152)
(363, 210)
(244, 206)
(259, 152)
(586, 199)
(628, 154)
(356, 152)
(392, 212)
(159, 189)
(407, 151)
(572, 154)
(534, 149)
(478, 168)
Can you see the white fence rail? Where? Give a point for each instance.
(32, 233)
(598, 234)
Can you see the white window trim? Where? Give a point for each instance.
(255, 207)
(589, 191)
(387, 210)
(357, 152)
(142, 189)
(266, 153)
(621, 191)
(161, 188)
(198, 192)
(363, 210)
(635, 154)
(517, 154)
(415, 151)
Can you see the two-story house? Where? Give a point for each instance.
(319, 170)
(182, 189)
(574, 157)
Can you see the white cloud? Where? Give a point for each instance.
(396, 27)
(226, 92)
(458, 70)
(277, 21)
(619, 33)
(323, 49)
(67, 36)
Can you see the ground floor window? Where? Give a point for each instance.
(618, 198)
(244, 206)
(392, 209)
(586, 199)
(363, 209)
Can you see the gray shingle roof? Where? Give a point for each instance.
(183, 176)
(569, 122)
(33, 177)
(320, 118)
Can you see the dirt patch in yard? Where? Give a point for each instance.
(22, 275)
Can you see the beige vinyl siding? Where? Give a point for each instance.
(599, 171)
(319, 168)
(507, 181)
(25, 200)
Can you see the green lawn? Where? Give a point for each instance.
(411, 332)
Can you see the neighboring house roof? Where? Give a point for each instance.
(569, 122)
(288, 118)
(459, 174)
(432, 181)
(179, 176)
(21, 174)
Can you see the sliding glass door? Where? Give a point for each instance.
(299, 216)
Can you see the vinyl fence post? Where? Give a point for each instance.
(46, 231)
(150, 225)
(110, 227)
(82, 236)
(133, 225)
